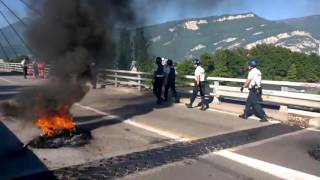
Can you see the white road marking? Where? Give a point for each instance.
(6, 80)
(275, 170)
(158, 131)
(313, 129)
(261, 142)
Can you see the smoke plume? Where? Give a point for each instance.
(70, 36)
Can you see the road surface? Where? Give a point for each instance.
(135, 139)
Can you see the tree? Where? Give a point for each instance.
(207, 61)
(124, 50)
(221, 64)
(185, 68)
(292, 73)
(141, 52)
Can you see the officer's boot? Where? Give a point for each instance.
(243, 116)
(264, 118)
(203, 104)
(177, 100)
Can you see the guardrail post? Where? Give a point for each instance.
(102, 78)
(116, 79)
(139, 82)
(215, 92)
(283, 108)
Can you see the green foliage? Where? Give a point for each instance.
(141, 52)
(185, 67)
(207, 61)
(292, 73)
(221, 60)
(276, 63)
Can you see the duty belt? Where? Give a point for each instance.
(255, 87)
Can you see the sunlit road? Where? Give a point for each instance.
(124, 121)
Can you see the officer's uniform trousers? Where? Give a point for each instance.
(170, 85)
(198, 88)
(253, 104)
(157, 86)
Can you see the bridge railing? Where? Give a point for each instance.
(280, 92)
(17, 67)
(10, 67)
(120, 77)
(283, 93)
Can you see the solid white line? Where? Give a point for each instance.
(275, 170)
(139, 125)
(313, 129)
(261, 142)
(6, 80)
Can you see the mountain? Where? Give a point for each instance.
(193, 37)
(309, 23)
(183, 39)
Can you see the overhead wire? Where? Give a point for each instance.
(4, 51)
(30, 7)
(20, 19)
(15, 31)
(8, 42)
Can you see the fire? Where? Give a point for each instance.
(51, 125)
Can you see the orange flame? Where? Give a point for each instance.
(51, 125)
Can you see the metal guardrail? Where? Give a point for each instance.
(17, 67)
(118, 77)
(220, 87)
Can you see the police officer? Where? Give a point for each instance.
(93, 78)
(170, 81)
(254, 99)
(158, 79)
(199, 76)
(25, 63)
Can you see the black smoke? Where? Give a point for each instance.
(69, 35)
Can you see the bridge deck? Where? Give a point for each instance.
(124, 121)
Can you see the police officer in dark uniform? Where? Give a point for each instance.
(170, 81)
(254, 100)
(94, 74)
(199, 77)
(158, 80)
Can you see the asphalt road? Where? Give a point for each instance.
(124, 121)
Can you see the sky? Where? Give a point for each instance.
(158, 11)
(269, 9)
